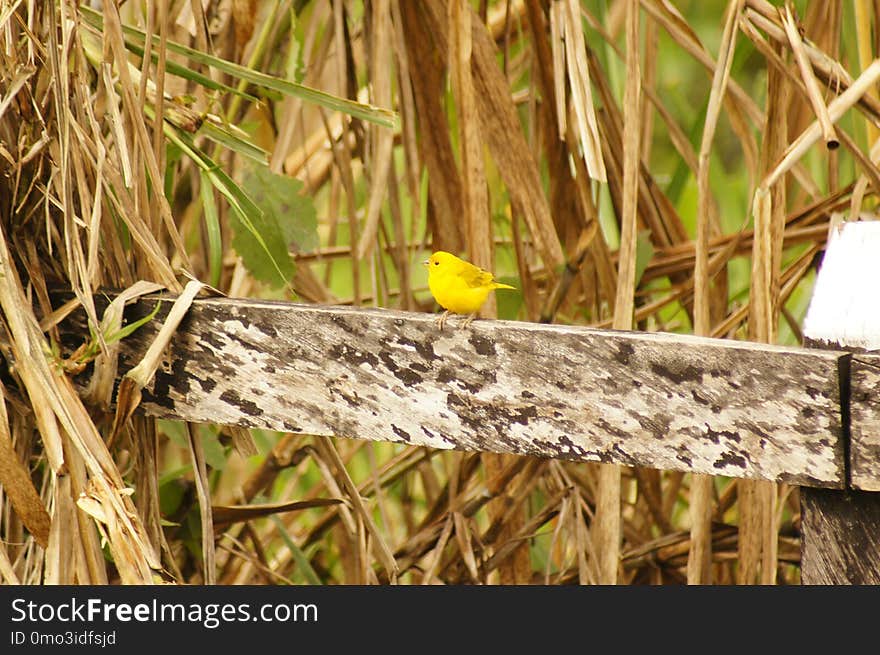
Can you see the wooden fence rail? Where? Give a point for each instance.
(650, 399)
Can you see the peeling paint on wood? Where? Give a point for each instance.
(649, 399)
(844, 311)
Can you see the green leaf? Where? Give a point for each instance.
(215, 454)
(279, 197)
(171, 495)
(176, 433)
(262, 247)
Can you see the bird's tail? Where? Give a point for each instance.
(498, 285)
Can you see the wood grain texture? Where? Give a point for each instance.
(864, 452)
(840, 543)
(649, 399)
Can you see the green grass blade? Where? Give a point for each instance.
(302, 562)
(378, 115)
(212, 229)
(229, 137)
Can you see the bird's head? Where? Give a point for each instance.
(438, 260)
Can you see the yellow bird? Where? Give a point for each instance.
(459, 286)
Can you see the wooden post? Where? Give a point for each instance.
(840, 542)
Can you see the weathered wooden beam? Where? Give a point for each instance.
(650, 399)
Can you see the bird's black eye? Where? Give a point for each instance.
(436, 263)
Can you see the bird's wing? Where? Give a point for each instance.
(475, 276)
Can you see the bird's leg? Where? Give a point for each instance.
(442, 319)
(468, 320)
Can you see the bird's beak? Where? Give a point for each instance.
(425, 263)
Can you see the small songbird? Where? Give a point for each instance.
(459, 286)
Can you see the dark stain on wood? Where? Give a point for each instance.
(624, 353)
(248, 407)
(677, 373)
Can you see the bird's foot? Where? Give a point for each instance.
(467, 321)
(442, 320)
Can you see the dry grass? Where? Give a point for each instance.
(545, 140)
